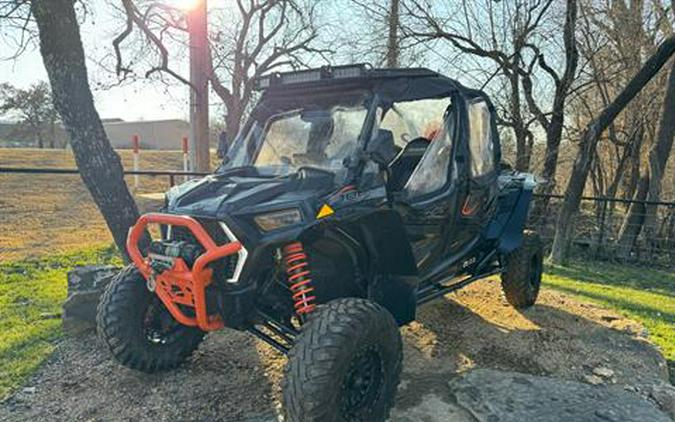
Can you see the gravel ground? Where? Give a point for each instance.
(234, 377)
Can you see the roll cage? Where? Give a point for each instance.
(379, 90)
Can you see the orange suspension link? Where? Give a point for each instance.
(299, 277)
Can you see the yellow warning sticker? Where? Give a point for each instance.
(325, 211)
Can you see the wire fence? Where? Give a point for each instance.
(48, 208)
(615, 229)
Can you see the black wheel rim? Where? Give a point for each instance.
(362, 384)
(159, 327)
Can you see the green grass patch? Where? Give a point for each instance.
(644, 294)
(31, 295)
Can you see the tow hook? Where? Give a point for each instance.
(151, 284)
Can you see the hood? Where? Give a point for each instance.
(244, 189)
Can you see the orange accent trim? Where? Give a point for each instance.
(298, 266)
(181, 285)
(467, 209)
(346, 189)
(299, 277)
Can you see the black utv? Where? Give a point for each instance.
(351, 196)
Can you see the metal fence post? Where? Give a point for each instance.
(185, 158)
(136, 143)
(601, 234)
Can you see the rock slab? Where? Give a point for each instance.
(491, 395)
(85, 286)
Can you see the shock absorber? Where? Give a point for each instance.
(299, 277)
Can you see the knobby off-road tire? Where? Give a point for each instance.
(522, 278)
(345, 365)
(138, 329)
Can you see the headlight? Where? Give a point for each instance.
(278, 219)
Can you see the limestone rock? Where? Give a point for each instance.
(491, 395)
(603, 372)
(85, 286)
(592, 379)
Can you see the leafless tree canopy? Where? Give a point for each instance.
(259, 37)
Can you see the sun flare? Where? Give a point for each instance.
(186, 4)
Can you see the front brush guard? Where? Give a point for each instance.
(181, 287)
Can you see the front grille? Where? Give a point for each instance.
(212, 227)
(223, 269)
(182, 234)
(214, 230)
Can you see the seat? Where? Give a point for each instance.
(403, 165)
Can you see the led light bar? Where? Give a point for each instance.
(311, 75)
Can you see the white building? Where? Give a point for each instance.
(153, 134)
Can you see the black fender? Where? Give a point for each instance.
(509, 228)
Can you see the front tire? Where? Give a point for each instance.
(138, 329)
(522, 278)
(345, 365)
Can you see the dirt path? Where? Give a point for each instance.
(233, 377)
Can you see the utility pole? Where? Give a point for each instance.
(393, 50)
(199, 93)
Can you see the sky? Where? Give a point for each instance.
(136, 101)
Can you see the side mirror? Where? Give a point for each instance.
(381, 148)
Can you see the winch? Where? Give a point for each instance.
(163, 253)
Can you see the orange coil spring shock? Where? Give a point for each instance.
(299, 277)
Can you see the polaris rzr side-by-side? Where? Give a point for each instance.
(352, 196)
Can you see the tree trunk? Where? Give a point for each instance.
(393, 50)
(200, 60)
(555, 127)
(519, 129)
(621, 166)
(100, 166)
(232, 119)
(631, 180)
(52, 133)
(632, 224)
(587, 147)
(658, 156)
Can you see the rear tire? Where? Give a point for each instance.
(138, 329)
(522, 278)
(345, 365)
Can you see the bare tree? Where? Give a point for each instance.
(393, 51)
(374, 33)
(64, 59)
(554, 124)
(266, 35)
(649, 187)
(512, 48)
(587, 148)
(33, 108)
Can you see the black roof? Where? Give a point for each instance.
(406, 84)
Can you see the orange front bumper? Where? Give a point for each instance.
(181, 289)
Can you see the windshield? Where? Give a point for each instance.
(319, 137)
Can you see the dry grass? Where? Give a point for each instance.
(47, 214)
